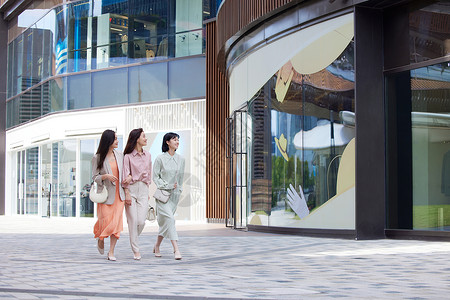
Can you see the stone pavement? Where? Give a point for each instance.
(57, 259)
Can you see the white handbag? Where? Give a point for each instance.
(98, 197)
(161, 195)
(151, 215)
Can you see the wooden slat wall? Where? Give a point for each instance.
(217, 110)
(234, 15)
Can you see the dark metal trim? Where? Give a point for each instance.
(405, 234)
(312, 232)
(422, 64)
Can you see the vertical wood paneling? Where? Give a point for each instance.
(236, 14)
(217, 106)
(233, 16)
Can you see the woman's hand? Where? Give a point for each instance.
(127, 197)
(109, 177)
(127, 180)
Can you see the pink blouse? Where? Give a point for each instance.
(139, 166)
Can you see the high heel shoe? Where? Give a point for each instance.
(157, 254)
(111, 258)
(100, 250)
(177, 255)
(137, 257)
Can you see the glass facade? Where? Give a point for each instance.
(298, 168)
(88, 36)
(430, 119)
(52, 168)
(301, 151)
(418, 101)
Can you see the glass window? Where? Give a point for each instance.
(302, 149)
(67, 178)
(430, 119)
(87, 150)
(55, 186)
(429, 29)
(12, 112)
(79, 91)
(46, 26)
(61, 40)
(109, 87)
(148, 30)
(187, 78)
(46, 179)
(148, 83)
(188, 21)
(31, 181)
(77, 43)
(57, 93)
(10, 78)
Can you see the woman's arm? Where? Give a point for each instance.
(180, 176)
(160, 183)
(96, 176)
(126, 171)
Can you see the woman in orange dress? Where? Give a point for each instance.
(106, 170)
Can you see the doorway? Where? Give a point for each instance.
(236, 202)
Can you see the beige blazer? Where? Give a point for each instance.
(106, 169)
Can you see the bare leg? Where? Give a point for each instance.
(112, 245)
(159, 240)
(156, 247)
(175, 245)
(176, 251)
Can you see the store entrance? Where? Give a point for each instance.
(236, 204)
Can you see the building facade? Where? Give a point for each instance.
(76, 68)
(338, 117)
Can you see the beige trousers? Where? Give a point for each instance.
(137, 212)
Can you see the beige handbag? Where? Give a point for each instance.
(98, 197)
(161, 195)
(151, 215)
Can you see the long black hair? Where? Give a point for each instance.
(107, 139)
(134, 135)
(167, 137)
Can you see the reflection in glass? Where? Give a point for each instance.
(109, 87)
(148, 83)
(429, 29)
(55, 186)
(67, 178)
(311, 121)
(57, 93)
(79, 91)
(87, 150)
(430, 117)
(188, 78)
(31, 181)
(46, 179)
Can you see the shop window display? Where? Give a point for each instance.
(307, 110)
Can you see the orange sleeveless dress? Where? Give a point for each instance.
(110, 217)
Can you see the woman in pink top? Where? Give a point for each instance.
(137, 174)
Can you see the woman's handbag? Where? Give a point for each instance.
(161, 195)
(151, 216)
(98, 197)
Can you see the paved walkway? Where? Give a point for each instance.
(57, 259)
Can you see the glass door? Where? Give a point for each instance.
(20, 182)
(236, 207)
(46, 179)
(31, 181)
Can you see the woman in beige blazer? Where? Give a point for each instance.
(107, 166)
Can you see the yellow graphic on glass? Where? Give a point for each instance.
(282, 146)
